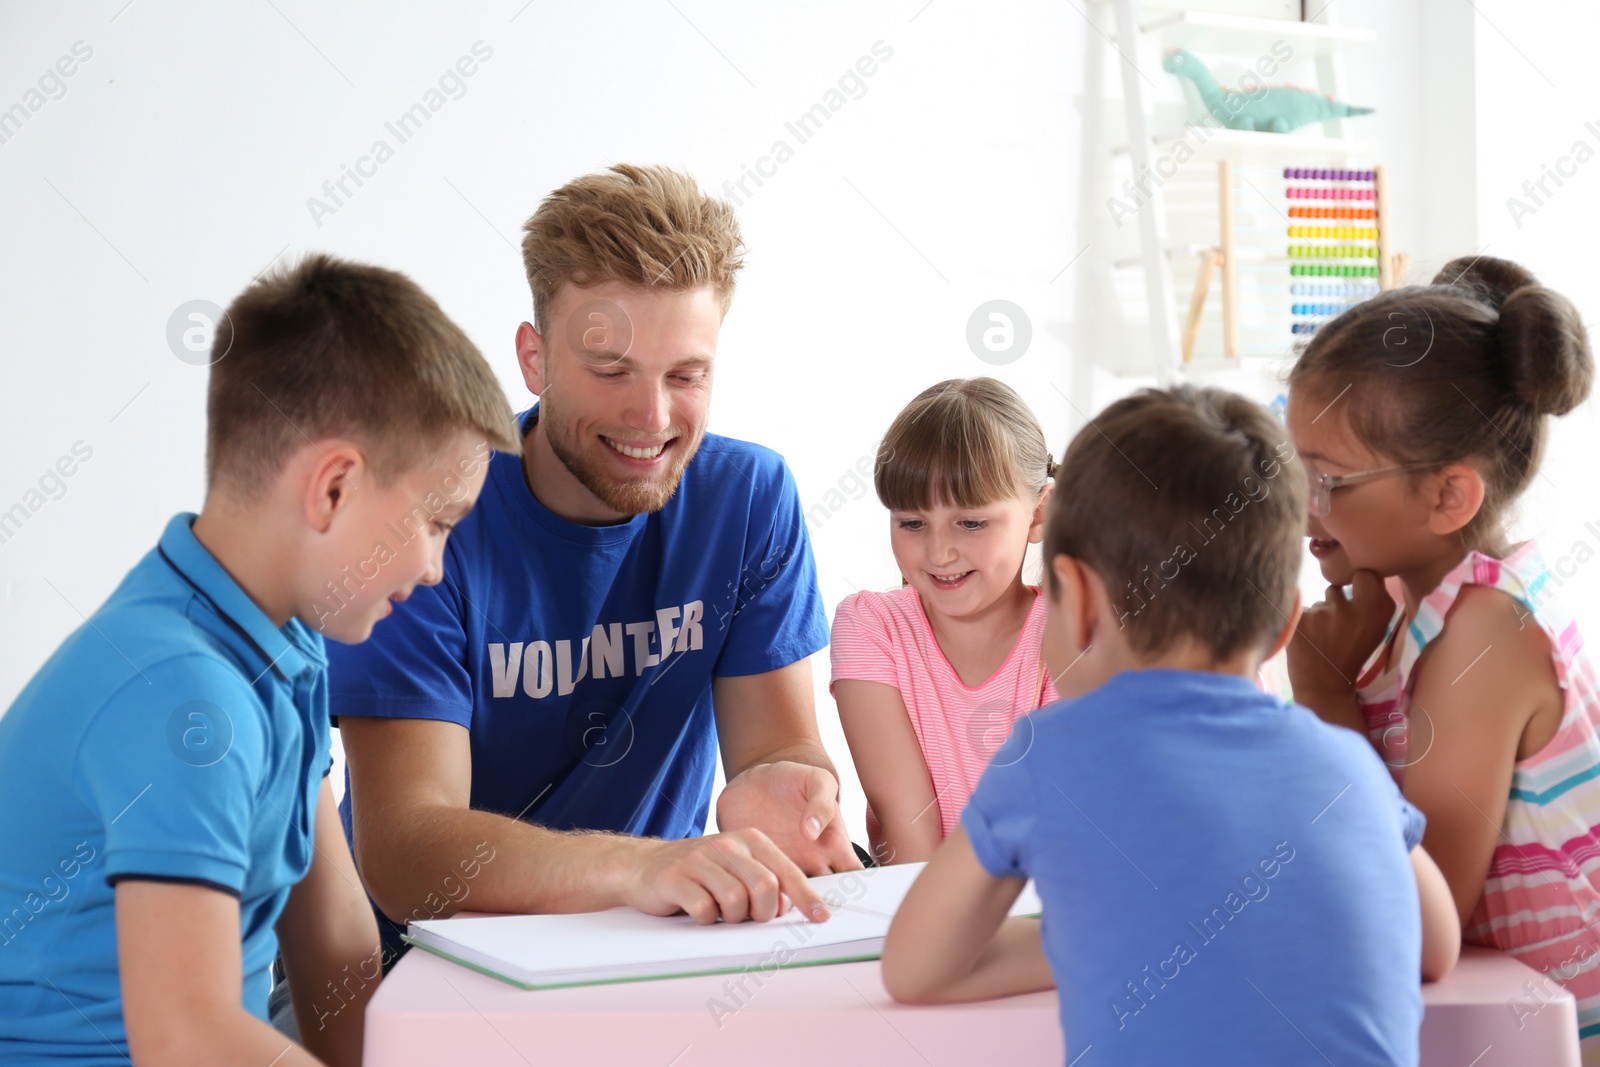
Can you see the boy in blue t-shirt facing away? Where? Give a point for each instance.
(166, 824)
(1225, 878)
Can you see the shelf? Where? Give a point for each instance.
(1241, 35)
(1183, 146)
(1249, 147)
(1191, 253)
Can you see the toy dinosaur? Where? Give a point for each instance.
(1270, 108)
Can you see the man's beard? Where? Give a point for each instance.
(631, 496)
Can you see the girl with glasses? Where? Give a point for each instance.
(1421, 416)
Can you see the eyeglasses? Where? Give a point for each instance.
(1322, 485)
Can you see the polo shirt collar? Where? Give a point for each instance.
(290, 651)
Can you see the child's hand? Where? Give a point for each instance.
(1336, 637)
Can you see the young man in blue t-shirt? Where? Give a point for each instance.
(166, 824)
(631, 593)
(1225, 878)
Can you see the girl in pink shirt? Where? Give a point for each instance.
(930, 678)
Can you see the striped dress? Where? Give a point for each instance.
(1543, 889)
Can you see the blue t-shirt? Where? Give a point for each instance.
(580, 658)
(176, 736)
(1225, 877)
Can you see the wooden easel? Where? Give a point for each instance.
(1210, 259)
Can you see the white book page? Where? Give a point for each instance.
(862, 904)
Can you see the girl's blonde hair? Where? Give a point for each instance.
(966, 442)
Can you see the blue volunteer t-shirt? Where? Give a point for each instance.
(1225, 877)
(580, 658)
(176, 736)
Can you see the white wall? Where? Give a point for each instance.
(1502, 91)
(179, 161)
(1537, 109)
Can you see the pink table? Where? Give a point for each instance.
(1494, 1012)
(429, 1011)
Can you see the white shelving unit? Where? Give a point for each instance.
(1269, 148)
(1210, 32)
(1177, 216)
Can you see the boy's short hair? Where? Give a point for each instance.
(331, 348)
(1190, 505)
(648, 227)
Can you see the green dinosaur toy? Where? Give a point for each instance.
(1271, 108)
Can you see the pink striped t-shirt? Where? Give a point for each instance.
(886, 637)
(1541, 899)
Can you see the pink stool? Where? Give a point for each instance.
(430, 1011)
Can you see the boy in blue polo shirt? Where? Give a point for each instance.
(166, 824)
(1225, 878)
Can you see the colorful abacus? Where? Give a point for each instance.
(1299, 211)
(1331, 270)
(1331, 193)
(1358, 290)
(1331, 248)
(1337, 253)
(1321, 311)
(1328, 174)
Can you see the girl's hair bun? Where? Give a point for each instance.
(1543, 345)
(1491, 280)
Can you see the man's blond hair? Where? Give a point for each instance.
(647, 227)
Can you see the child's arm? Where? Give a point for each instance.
(951, 940)
(1441, 930)
(893, 773)
(178, 950)
(1477, 686)
(1335, 707)
(327, 933)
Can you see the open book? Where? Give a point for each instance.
(625, 945)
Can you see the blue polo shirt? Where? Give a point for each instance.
(1225, 877)
(177, 735)
(580, 659)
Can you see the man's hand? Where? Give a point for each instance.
(1336, 637)
(796, 805)
(729, 876)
